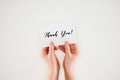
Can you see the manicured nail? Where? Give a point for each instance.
(66, 42)
(51, 42)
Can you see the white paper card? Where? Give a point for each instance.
(58, 33)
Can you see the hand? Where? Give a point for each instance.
(71, 52)
(50, 56)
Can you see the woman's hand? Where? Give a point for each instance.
(71, 52)
(53, 63)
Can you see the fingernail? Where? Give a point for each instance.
(51, 42)
(66, 42)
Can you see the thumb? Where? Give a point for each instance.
(67, 49)
(51, 49)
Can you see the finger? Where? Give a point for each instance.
(67, 48)
(55, 57)
(55, 48)
(45, 51)
(51, 48)
(62, 48)
(74, 48)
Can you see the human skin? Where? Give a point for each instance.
(53, 63)
(71, 52)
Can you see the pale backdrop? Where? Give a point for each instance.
(98, 37)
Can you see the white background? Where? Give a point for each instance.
(98, 36)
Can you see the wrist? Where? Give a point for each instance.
(54, 74)
(67, 68)
(68, 74)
